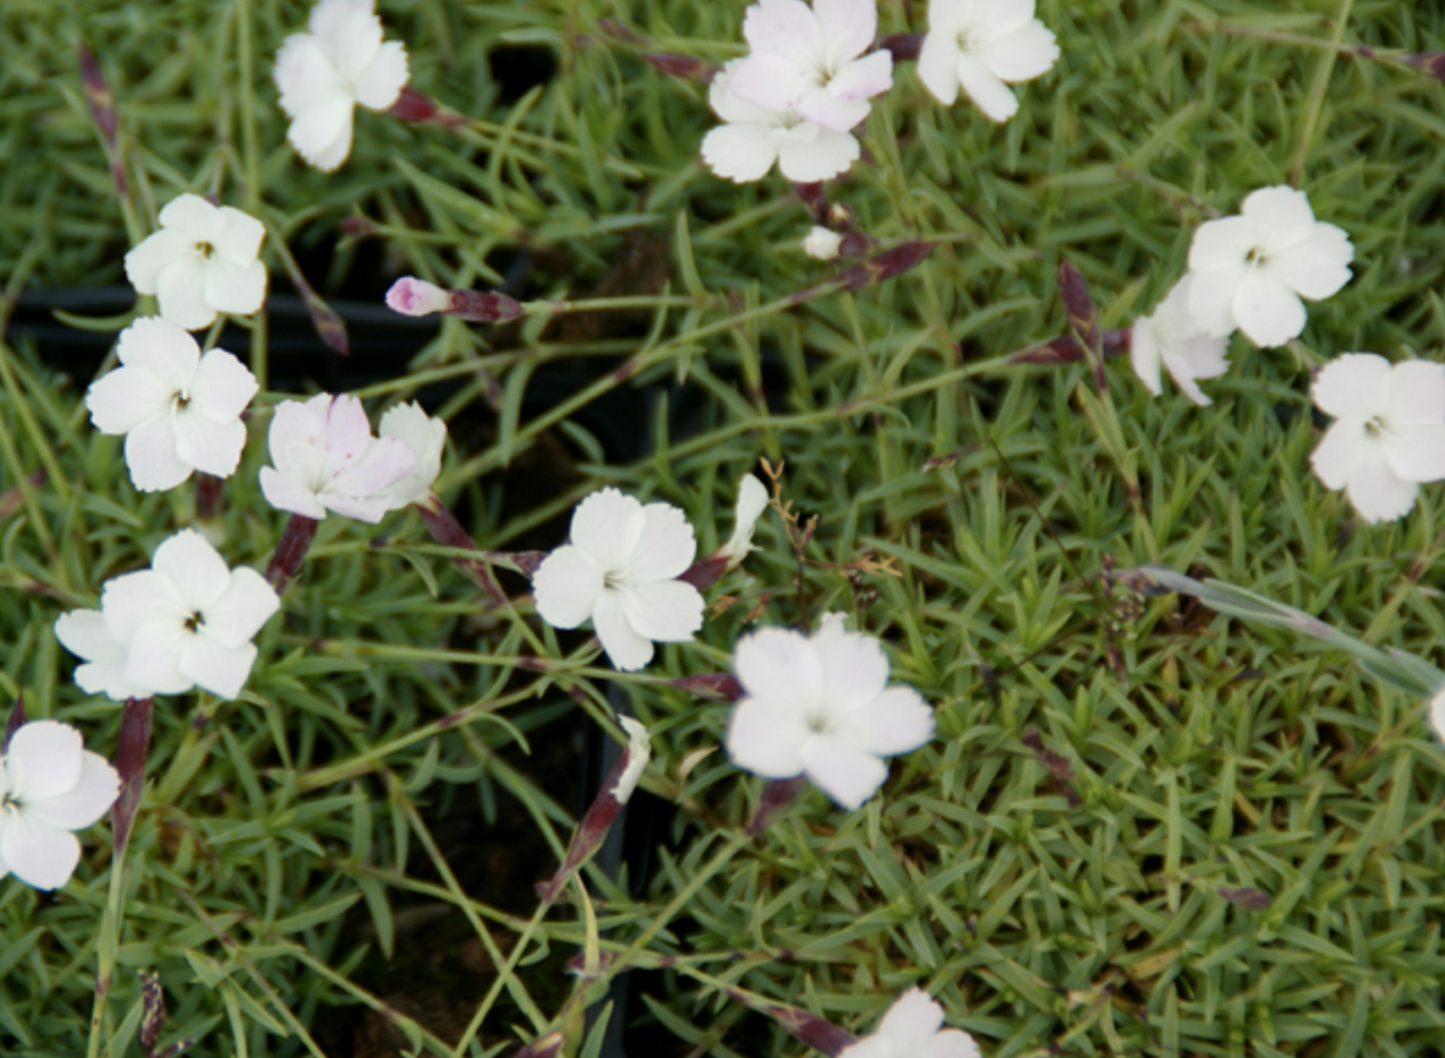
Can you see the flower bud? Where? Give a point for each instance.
(822, 244)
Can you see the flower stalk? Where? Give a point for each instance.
(290, 552)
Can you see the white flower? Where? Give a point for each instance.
(179, 411)
(50, 785)
(1437, 714)
(620, 570)
(754, 137)
(190, 617)
(326, 459)
(639, 752)
(822, 706)
(822, 243)
(1250, 271)
(981, 44)
(202, 261)
(808, 60)
(323, 74)
(752, 502)
(86, 634)
(1172, 336)
(913, 1028)
(426, 438)
(1389, 431)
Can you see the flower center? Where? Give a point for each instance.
(205, 249)
(195, 622)
(1375, 426)
(1257, 256)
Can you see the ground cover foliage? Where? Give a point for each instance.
(1142, 827)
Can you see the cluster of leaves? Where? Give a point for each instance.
(1143, 828)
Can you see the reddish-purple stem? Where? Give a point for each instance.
(208, 497)
(777, 795)
(17, 717)
(132, 744)
(447, 531)
(290, 551)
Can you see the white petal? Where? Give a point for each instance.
(1417, 454)
(192, 216)
(44, 760)
(1266, 310)
(1200, 357)
(627, 649)
(329, 18)
(1028, 52)
(911, 1022)
(787, 28)
(321, 132)
(734, 109)
(847, 27)
(242, 609)
(1281, 216)
(1335, 457)
(207, 445)
(380, 84)
(780, 667)
(305, 73)
(36, 853)
(215, 666)
(772, 81)
(665, 611)
(287, 494)
(830, 112)
(566, 587)
(143, 264)
(83, 804)
(1353, 385)
(1416, 394)
(239, 240)
(988, 93)
(234, 288)
(150, 455)
(155, 657)
(766, 741)
(854, 670)
(1317, 267)
(830, 154)
(866, 77)
(896, 721)
(86, 635)
(1144, 355)
(181, 291)
(753, 500)
(1226, 241)
(665, 548)
(196, 568)
(123, 399)
(639, 752)
(607, 525)
(1212, 292)
(355, 42)
(222, 386)
(846, 774)
(135, 599)
(740, 153)
(165, 350)
(1375, 491)
(1437, 714)
(938, 65)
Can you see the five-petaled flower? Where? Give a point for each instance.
(913, 1028)
(1250, 271)
(323, 74)
(1388, 434)
(620, 570)
(811, 61)
(327, 460)
(50, 785)
(1171, 336)
(179, 411)
(190, 618)
(821, 706)
(201, 262)
(979, 45)
(754, 137)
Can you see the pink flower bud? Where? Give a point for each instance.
(411, 296)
